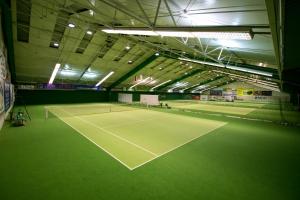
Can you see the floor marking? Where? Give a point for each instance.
(130, 168)
(124, 124)
(111, 133)
(176, 147)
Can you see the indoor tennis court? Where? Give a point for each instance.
(149, 100)
(130, 135)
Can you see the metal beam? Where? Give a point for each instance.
(144, 13)
(225, 83)
(156, 14)
(133, 71)
(272, 8)
(124, 10)
(180, 78)
(170, 12)
(206, 81)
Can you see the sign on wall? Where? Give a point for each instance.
(6, 96)
(245, 92)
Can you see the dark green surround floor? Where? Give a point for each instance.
(241, 160)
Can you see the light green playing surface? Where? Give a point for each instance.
(137, 136)
(214, 108)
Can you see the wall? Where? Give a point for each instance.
(274, 98)
(32, 97)
(6, 88)
(35, 97)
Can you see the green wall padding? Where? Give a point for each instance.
(35, 97)
(59, 96)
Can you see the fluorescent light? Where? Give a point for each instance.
(89, 32)
(224, 35)
(179, 84)
(67, 66)
(253, 71)
(68, 73)
(106, 77)
(202, 62)
(185, 32)
(152, 82)
(71, 25)
(207, 89)
(140, 82)
(130, 32)
(57, 66)
(175, 34)
(91, 12)
(199, 88)
(247, 78)
(90, 75)
(160, 84)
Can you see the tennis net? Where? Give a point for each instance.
(88, 109)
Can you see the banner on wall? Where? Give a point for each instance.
(6, 96)
(12, 94)
(1, 96)
(244, 92)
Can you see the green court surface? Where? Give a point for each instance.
(256, 111)
(48, 159)
(212, 108)
(133, 137)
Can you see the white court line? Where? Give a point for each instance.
(109, 132)
(106, 151)
(124, 124)
(176, 147)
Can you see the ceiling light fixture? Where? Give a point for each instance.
(234, 33)
(160, 85)
(140, 82)
(157, 53)
(57, 66)
(91, 12)
(55, 44)
(253, 71)
(89, 32)
(67, 73)
(106, 77)
(127, 47)
(90, 75)
(71, 25)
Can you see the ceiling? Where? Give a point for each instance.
(43, 38)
